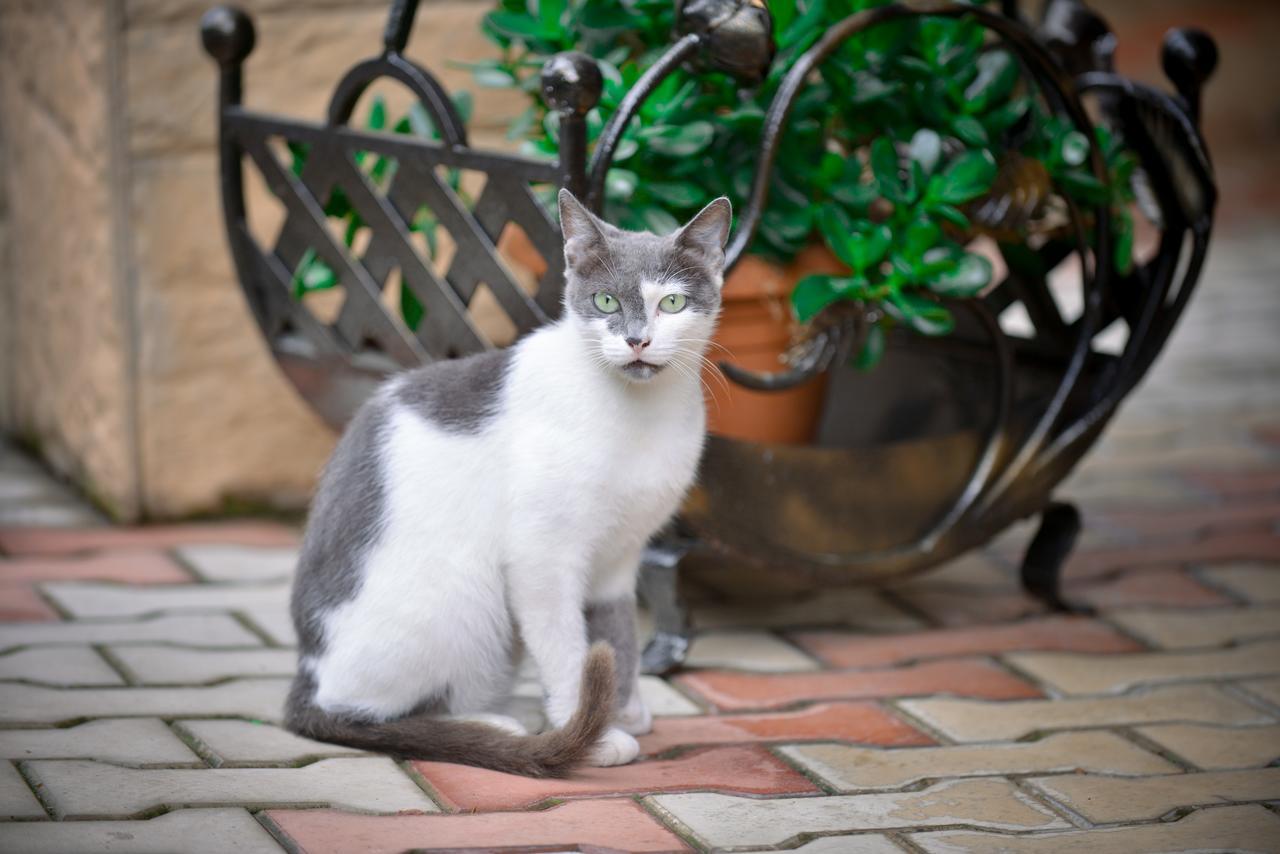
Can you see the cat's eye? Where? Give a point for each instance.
(607, 303)
(672, 303)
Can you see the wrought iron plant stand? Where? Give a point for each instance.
(902, 475)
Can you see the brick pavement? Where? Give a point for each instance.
(142, 673)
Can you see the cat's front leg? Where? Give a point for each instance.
(546, 599)
(614, 621)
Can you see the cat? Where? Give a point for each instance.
(481, 507)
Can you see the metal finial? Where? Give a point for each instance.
(227, 34)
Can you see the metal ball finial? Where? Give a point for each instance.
(1188, 55)
(571, 83)
(737, 35)
(227, 34)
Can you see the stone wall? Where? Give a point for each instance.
(131, 359)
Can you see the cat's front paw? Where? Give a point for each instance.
(615, 747)
(635, 717)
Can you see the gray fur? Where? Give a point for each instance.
(458, 395)
(344, 523)
(604, 258)
(615, 623)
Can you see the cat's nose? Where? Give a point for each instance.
(638, 344)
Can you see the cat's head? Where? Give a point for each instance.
(644, 303)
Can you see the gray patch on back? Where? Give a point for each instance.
(459, 395)
(345, 522)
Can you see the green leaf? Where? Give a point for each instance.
(377, 114)
(463, 103)
(868, 88)
(951, 215)
(867, 248)
(680, 140)
(921, 314)
(812, 294)
(836, 225)
(677, 194)
(921, 236)
(658, 221)
(926, 149)
(967, 278)
(518, 26)
(410, 309)
(872, 349)
(1083, 186)
(965, 178)
(884, 165)
(1123, 227)
(997, 75)
(619, 184)
(549, 15)
(969, 131)
(492, 77)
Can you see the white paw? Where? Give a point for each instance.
(615, 747)
(635, 718)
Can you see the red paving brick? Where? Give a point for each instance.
(68, 541)
(129, 567)
(1065, 634)
(21, 603)
(1192, 520)
(747, 770)
(864, 723)
(1216, 546)
(958, 677)
(615, 824)
(1152, 589)
(1238, 484)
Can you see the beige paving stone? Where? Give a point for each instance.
(262, 699)
(850, 768)
(206, 831)
(228, 742)
(159, 665)
(16, 797)
(866, 843)
(275, 623)
(126, 741)
(110, 600)
(986, 720)
(78, 665)
(859, 608)
(1202, 627)
(1246, 829)
(730, 821)
(1105, 800)
(1267, 689)
(77, 789)
(1218, 748)
(665, 701)
(222, 562)
(1110, 673)
(742, 650)
(1255, 581)
(211, 630)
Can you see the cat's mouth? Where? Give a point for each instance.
(641, 370)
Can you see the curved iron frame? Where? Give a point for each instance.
(1068, 55)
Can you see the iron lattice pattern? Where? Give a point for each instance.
(464, 296)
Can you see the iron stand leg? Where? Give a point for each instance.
(659, 591)
(1047, 555)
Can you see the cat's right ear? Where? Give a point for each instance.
(583, 236)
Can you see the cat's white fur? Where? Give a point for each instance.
(543, 511)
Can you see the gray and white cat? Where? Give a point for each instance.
(481, 507)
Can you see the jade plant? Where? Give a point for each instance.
(888, 157)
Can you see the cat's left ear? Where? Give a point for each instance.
(707, 233)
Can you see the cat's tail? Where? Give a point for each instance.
(548, 754)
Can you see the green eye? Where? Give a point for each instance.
(672, 303)
(607, 303)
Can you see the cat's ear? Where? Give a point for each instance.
(583, 233)
(707, 233)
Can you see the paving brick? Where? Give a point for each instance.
(76, 789)
(145, 741)
(274, 622)
(16, 797)
(665, 701)
(225, 562)
(860, 608)
(609, 825)
(1214, 548)
(1254, 582)
(743, 769)
(204, 831)
(964, 677)
(1075, 673)
(953, 605)
(44, 541)
(755, 651)
(1218, 748)
(862, 843)
(106, 600)
(23, 603)
(1195, 519)
(848, 768)
(978, 720)
(866, 723)
(1267, 689)
(1200, 628)
(845, 649)
(1242, 829)
(77, 665)
(1106, 800)
(125, 567)
(229, 742)
(207, 630)
(158, 665)
(1238, 484)
(261, 699)
(726, 821)
(1145, 589)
